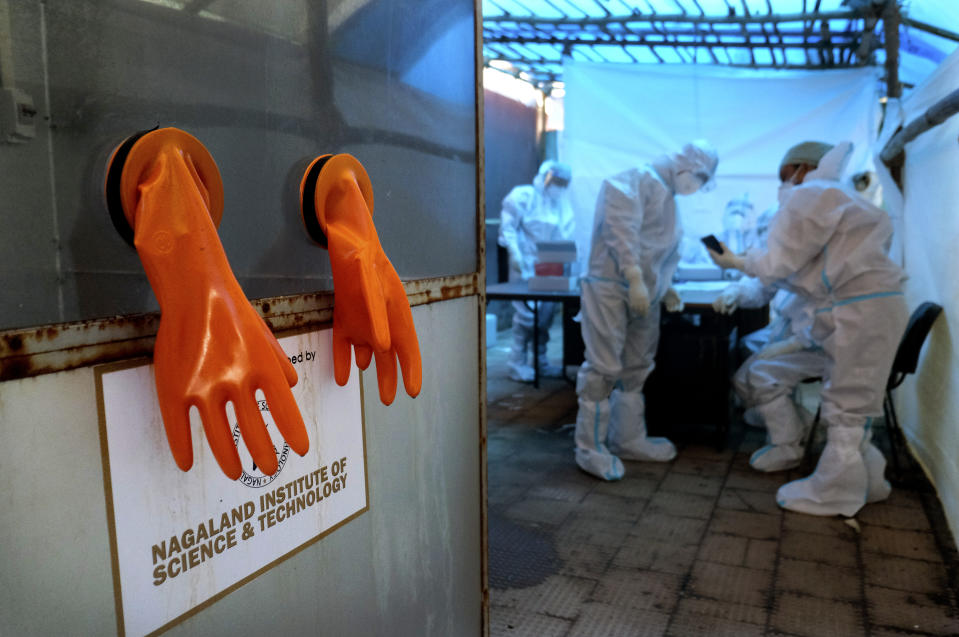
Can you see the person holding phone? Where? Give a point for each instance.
(829, 245)
(634, 253)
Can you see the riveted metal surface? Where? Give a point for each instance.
(47, 349)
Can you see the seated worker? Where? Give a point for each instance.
(634, 253)
(531, 213)
(782, 357)
(829, 245)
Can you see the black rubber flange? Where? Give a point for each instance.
(310, 219)
(111, 188)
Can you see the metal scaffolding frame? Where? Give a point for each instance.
(532, 47)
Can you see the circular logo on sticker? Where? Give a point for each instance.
(252, 476)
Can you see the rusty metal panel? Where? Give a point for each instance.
(53, 348)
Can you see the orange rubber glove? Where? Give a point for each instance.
(371, 312)
(212, 347)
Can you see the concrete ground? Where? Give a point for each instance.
(696, 546)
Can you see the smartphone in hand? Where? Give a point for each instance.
(711, 242)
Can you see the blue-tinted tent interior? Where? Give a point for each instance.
(530, 38)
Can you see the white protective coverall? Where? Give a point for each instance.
(783, 356)
(830, 245)
(635, 225)
(531, 213)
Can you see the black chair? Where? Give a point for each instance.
(905, 363)
(907, 358)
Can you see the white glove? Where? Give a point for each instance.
(638, 294)
(728, 300)
(672, 302)
(780, 348)
(514, 254)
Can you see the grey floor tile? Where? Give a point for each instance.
(667, 557)
(603, 620)
(564, 491)
(698, 466)
(648, 470)
(505, 496)
(682, 504)
(723, 611)
(723, 549)
(816, 617)
(638, 589)
(816, 579)
(761, 554)
(734, 584)
(911, 611)
(585, 560)
(819, 548)
(759, 526)
(896, 632)
(900, 542)
(612, 507)
(558, 596)
(663, 527)
(686, 483)
(693, 625)
(516, 622)
(904, 574)
(752, 480)
(746, 500)
(898, 517)
(633, 485)
(586, 529)
(832, 526)
(706, 452)
(903, 498)
(540, 510)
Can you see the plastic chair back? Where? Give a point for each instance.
(907, 356)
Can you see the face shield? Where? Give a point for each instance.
(553, 178)
(707, 181)
(699, 159)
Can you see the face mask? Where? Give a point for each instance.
(687, 183)
(554, 191)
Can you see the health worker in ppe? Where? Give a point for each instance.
(831, 246)
(531, 213)
(634, 253)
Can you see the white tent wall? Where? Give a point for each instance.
(928, 401)
(619, 116)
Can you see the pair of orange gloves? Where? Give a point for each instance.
(212, 347)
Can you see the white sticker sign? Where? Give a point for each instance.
(183, 539)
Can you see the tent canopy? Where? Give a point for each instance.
(531, 38)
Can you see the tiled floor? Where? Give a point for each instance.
(696, 546)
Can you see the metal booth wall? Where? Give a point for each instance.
(266, 87)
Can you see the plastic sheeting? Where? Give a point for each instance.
(928, 401)
(920, 52)
(618, 116)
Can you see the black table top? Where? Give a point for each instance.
(519, 291)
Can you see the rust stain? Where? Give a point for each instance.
(26, 365)
(451, 292)
(15, 368)
(53, 348)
